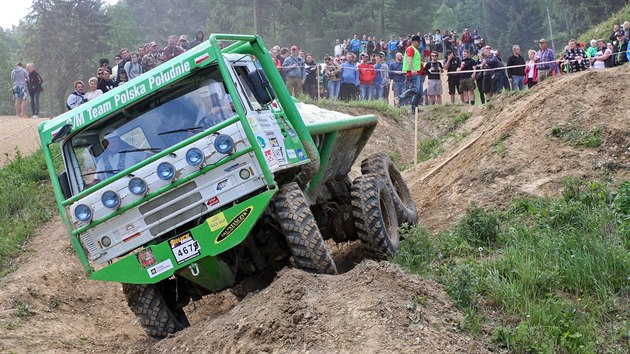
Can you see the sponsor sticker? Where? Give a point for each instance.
(184, 248)
(146, 258)
(291, 154)
(202, 58)
(213, 201)
(274, 141)
(234, 224)
(301, 154)
(160, 268)
(223, 184)
(261, 141)
(235, 166)
(216, 222)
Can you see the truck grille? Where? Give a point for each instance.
(90, 245)
(158, 202)
(176, 219)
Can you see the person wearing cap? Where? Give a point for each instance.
(367, 74)
(151, 59)
(412, 66)
(183, 42)
(593, 49)
(172, 49)
(295, 72)
(546, 60)
(199, 37)
(467, 39)
(622, 47)
(381, 80)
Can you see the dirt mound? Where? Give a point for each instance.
(373, 308)
(527, 145)
(18, 133)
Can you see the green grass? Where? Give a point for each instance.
(548, 274)
(26, 200)
(430, 148)
(603, 30)
(578, 137)
(499, 147)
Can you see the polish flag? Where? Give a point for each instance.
(202, 58)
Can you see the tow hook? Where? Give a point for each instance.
(194, 269)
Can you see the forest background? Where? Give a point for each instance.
(66, 38)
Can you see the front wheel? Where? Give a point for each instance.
(375, 215)
(301, 231)
(156, 308)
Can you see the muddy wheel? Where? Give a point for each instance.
(155, 308)
(301, 232)
(382, 165)
(375, 215)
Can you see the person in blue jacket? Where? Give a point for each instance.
(349, 79)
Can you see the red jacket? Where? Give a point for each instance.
(366, 73)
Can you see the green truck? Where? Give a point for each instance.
(204, 174)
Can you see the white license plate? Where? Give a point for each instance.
(184, 248)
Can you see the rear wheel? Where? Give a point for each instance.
(382, 165)
(156, 308)
(301, 232)
(375, 215)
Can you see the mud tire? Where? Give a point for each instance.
(155, 315)
(375, 215)
(301, 231)
(382, 165)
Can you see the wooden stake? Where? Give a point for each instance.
(415, 155)
(438, 167)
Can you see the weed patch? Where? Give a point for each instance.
(429, 148)
(578, 137)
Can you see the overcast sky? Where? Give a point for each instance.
(14, 10)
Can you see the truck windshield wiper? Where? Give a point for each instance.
(140, 150)
(97, 172)
(181, 130)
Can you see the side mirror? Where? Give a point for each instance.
(65, 185)
(62, 133)
(261, 88)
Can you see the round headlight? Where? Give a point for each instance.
(224, 144)
(194, 157)
(244, 173)
(83, 212)
(106, 241)
(137, 186)
(166, 171)
(110, 199)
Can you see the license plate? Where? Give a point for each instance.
(184, 248)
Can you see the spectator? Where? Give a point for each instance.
(592, 50)
(332, 71)
(381, 80)
(503, 82)
(448, 41)
(105, 83)
(104, 63)
(467, 39)
(152, 59)
(516, 69)
(125, 57)
(19, 77)
(603, 57)
(622, 48)
(613, 35)
(467, 78)
(141, 51)
(349, 79)
(295, 72)
(575, 57)
(626, 29)
(392, 46)
(122, 78)
(199, 37)
(366, 78)
(396, 75)
(310, 83)
(183, 42)
(35, 82)
(476, 38)
(172, 49)
(384, 48)
(434, 71)
(77, 97)
(531, 69)
(546, 60)
(94, 91)
(412, 66)
(437, 37)
(117, 59)
(451, 63)
(338, 49)
(133, 68)
(355, 45)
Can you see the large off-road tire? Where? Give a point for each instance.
(157, 316)
(301, 232)
(375, 215)
(380, 164)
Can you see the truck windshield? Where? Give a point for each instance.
(152, 125)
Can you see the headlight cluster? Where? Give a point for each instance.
(224, 144)
(166, 171)
(83, 212)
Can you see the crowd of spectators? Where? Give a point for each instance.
(368, 68)
(128, 65)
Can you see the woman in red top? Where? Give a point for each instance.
(366, 78)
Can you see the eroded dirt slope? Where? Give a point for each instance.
(517, 154)
(17, 133)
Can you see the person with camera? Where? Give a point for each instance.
(434, 71)
(333, 77)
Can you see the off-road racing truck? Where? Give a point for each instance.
(204, 174)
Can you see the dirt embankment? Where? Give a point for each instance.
(518, 153)
(18, 133)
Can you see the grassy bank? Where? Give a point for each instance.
(604, 29)
(26, 201)
(546, 275)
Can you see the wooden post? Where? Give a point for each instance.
(318, 93)
(415, 150)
